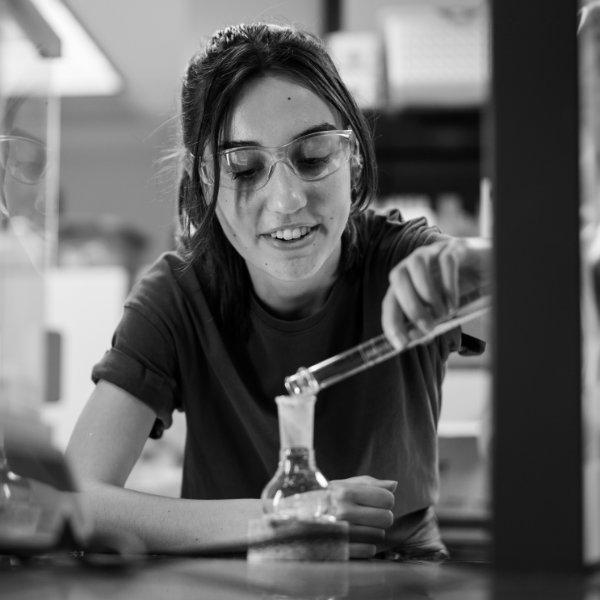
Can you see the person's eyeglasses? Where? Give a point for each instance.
(311, 157)
(23, 158)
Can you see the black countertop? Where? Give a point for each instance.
(186, 578)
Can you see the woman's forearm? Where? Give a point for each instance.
(164, 524)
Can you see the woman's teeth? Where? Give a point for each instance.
(290, 234)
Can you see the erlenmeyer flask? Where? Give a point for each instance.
(299, 521)
(298, 489)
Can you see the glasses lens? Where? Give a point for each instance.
(312, 157)
(245, 169)
(319, 155)
(24, 159)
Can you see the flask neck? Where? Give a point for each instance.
(297, 458)
(296, 420)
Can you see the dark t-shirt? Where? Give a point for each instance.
(168, 352)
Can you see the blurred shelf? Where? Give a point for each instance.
(467, 535)
(428, 151)
(456, 361)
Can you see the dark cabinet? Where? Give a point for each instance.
(429, 152)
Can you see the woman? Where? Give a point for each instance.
(279, 266)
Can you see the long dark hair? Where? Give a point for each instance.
(214, 78)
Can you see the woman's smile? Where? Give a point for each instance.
(290, 236)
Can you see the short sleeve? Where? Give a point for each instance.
(141, 361)
(403, 237)
(471, 346)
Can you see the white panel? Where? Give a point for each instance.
(81, 70)
(84, 305)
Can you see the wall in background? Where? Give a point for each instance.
(110, 146)
(358, 15)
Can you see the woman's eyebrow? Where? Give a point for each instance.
(325, 126)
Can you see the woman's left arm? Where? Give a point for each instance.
(426, 286)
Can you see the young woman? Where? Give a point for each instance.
(280, 266)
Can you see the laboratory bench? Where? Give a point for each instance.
(234, 578)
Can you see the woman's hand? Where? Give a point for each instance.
(425, 286)
(366, 503)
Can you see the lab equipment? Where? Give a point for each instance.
(298, 489)
(299, 521)
(19, 513)
(311, 380)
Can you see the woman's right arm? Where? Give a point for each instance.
(106, 443)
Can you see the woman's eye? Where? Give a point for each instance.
(243, 175)
(314, 160)
(312, 163)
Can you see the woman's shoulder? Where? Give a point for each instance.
(163, 283)
(167, 267)
(375, 221)
(385, 238)
(375, 226)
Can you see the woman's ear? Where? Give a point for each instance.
(356, 165)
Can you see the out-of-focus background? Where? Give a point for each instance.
(110, 145)
(105, 109)
(88, 136)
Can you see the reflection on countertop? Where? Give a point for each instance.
(161, 577)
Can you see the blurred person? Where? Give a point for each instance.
(36, 505)
(22, 163)
(23, 160)
(280, 264)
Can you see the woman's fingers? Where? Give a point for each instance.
(362, 494)
(366, 503)
(366, 535)
(363, 504)
(393, 322)
(424, 298)
(423, 290)
(449, 259)
(364, 515)
(386, 484)
(362, 550)
(405, 283)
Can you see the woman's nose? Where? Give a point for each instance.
(284, 191)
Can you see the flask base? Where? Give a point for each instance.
(273, 538)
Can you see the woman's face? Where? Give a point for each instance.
(273, 111)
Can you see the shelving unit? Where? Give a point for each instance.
(429, 151)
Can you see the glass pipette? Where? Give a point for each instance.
(313, 379)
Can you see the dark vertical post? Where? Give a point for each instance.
(332, 15)
(537, 476)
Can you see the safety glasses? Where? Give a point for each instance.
(311, 157)
(23, 158)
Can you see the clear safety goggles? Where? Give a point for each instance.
(311, 157)
(23, 158)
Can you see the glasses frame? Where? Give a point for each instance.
(278, 154)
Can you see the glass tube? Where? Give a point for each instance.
(341, 366)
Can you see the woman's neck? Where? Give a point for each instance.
(287, 303)
(294, 299)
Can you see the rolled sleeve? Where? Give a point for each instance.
(142, 361)
(151, 388)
